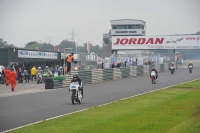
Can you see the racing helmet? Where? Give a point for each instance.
(75, 76)
(46, 67)
(39, 68)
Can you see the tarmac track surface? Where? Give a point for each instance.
(24, 109)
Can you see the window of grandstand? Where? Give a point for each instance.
(113, 26)
(128, 26)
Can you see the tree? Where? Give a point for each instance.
(2, 43)
(40, 46)
(45, 46)
(83, 49)
(5, 44)
(198, 33)
(67, 44)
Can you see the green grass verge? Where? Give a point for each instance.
(173, 110)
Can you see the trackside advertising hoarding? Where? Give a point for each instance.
(156, 42)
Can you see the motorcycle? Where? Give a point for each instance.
(172, 70)
(190, 69)
(39, 78)
(153, 77)
(2, 80)
(76, 95)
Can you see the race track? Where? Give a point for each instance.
(24, 109)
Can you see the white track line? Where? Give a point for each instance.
(96, 106)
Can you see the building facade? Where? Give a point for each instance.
(123, 27)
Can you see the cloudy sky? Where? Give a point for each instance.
(22, 21)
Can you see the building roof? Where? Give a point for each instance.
(128, 19)
(18, 48)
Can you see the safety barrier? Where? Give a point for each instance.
(107, 74)
(85, 76)
(140, 70)
(146, 70)
(161, 67)
(133, 71)
(58, 84)
(125, 72)
(99, 75)
(117, 73)
(166, 66)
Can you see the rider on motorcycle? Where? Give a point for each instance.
(39, 70)
(190, 64)
(77, 79)
(154, 69)
(171, 66)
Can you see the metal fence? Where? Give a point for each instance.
(83, 61)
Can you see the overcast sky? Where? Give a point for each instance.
(22, 21)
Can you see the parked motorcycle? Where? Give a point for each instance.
(2, 80)
(172, 70)
(40, 78)
(153, 77)
(190, 69)
(76, 95)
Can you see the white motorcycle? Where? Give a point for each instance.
(76, 95)
(40, 78)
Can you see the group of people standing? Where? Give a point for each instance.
(11, 76)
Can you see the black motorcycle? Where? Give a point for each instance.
(172, 70)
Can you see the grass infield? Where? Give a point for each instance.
(173, 110)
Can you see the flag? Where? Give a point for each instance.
(88, 47)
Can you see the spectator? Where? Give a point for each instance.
(33, 73)
(19, 75)
(26, 74)
(102, 65)
(69, 59)
(112, 65)
(118, 65)
(13, 77)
